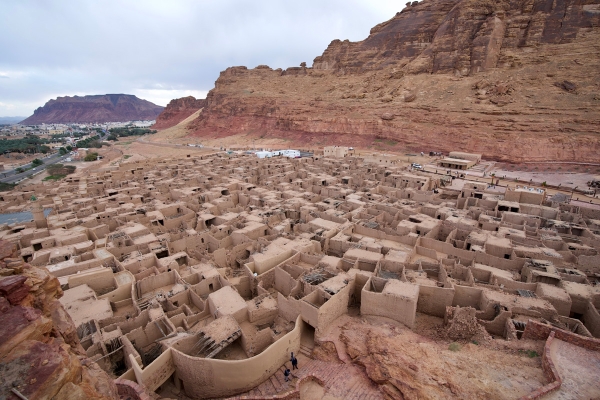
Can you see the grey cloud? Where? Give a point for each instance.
(92, 47)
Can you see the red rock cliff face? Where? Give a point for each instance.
(40, 353)
(516, 80)
(100, 108)
(177, 110)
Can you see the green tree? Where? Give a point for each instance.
(69, 148)
(37, 162)
(91, 156)
(62, 151)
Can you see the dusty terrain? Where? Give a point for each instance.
(419, 364)
(516, 81)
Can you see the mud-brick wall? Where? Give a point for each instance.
(433, 300)
(592, 319)
(289, 307)
(335, 307)
(401, 309)
(466, 296)
(207, 378)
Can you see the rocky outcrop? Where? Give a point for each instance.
(177, 110)
(441, 75)
(99, 108)
(40, 353)
(461, 36)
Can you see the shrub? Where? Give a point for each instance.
(60, 169)
(37, 162)
(91, 156)
(529, 353)
(53, 177)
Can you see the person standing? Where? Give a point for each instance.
(294, 361)
(286, 374)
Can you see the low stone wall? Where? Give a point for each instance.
(550, 373)
(537, 331)
(131, 390)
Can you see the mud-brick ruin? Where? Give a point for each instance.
(205, 273)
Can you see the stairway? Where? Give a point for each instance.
(307, 351)
(340, 380)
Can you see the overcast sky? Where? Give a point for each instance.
(160, 50)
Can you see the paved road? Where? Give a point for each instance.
(12, 176)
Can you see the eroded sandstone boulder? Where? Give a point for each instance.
(40, 353)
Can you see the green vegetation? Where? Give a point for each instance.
(19, 170)
(91, 142)
(529, 353)
(112, 137)
(124, 132)
(62, 151)
(37, 162)
(91, 156)
(29, 144)
(66, 135)
(454, 346)
(53, 177)
(126, 156)
(60, 169)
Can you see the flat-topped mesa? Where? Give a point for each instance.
(96, 108)
(177, 110)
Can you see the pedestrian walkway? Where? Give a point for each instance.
(345, 381)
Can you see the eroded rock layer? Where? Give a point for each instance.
(177, 110)
(514, 80)
(40, 353)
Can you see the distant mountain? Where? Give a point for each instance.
(10, 120)
(97, 108)
(177, 110)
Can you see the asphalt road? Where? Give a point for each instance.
(12, 176)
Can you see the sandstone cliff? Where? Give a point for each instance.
(40, 353)
(99, 108)
(513, 79)
(177, 110)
